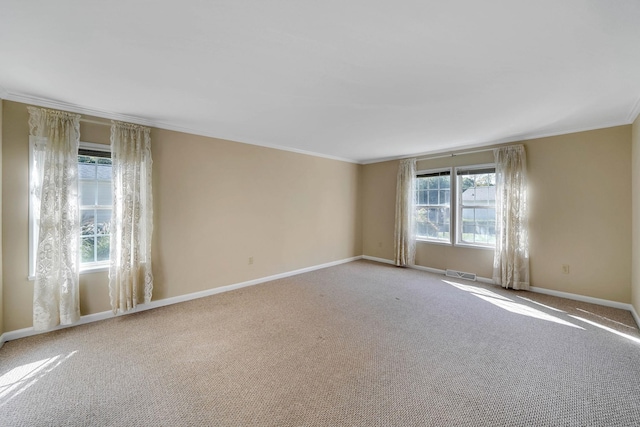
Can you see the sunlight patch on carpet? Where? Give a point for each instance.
(606, 328)
(540, 304)
(22, 377)
(510, 305)
(607, 319)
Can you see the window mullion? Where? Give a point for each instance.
(476, 211)
(96, 175)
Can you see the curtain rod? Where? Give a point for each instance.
(454, 154)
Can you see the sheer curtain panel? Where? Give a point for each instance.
(55, 136)
(511, 257)
(130, 275)
(405, 242)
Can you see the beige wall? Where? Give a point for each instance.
(580, 214)
(378, 208)
(635, 264)
(216, 203)
(219, 202)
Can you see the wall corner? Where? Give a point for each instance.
(635, 214)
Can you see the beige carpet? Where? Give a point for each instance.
(360, 344)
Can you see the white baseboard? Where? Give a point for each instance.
(582, 298)
(381, 260)
(89, 318)
(429, 269)
(575, 297)
(423, 268)
(634, 313)
(415, 267)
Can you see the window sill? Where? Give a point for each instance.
(458, 245)
(95, 268)
(434, 242)
(468, 245)
(86, 270)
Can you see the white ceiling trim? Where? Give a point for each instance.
(41, 102)
(487, 144)
(47, 103)
(169, 126)
(635, 111)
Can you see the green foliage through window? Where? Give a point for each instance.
(433, 195)
(95, 195)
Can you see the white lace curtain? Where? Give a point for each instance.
(130, 275)
(405, 242)
(55, 136)
(511, 257)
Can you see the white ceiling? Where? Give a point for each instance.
(361, 80)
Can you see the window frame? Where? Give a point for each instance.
(90, 267)
(450, 172)
(460, 206)
(33, 244)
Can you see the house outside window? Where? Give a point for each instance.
(476, 213)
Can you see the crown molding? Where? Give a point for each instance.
(47, 103)
(73, 108)
(506, 140)
(635, 111)
(232, 138)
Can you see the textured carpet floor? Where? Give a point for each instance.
(360, 344)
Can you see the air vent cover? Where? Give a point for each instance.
(460, 275)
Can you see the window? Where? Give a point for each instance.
(433, 205)
(476, 198)
(95, 204)
(473, 210)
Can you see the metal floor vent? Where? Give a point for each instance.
(460, 275)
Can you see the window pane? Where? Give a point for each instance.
(479, 225)
(433, 222)
(469, 196)
(104, 193)
(433, 197)
(432, 219)
(103, 248)
(86, 171)
(422, 197)
(104, 172)
(87, 249)
(444, 197)
(94, 190)
(422, 183)
(478, 208)
(87, 222)
(485, 195)
(87, 193)
(104, 221)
